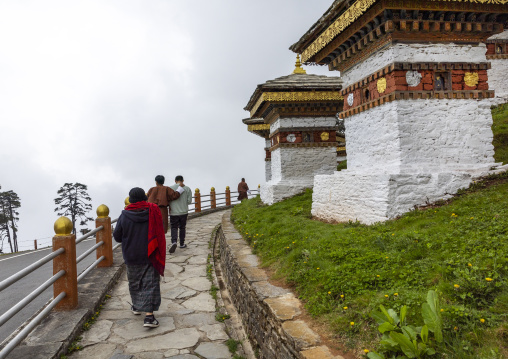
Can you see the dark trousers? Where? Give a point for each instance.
(178, 223)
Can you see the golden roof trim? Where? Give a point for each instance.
(259, 127)
(352, 14)
(296, 96)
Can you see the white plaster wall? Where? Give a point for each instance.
(373, 139)
(272, 193)
(369, 198)
(302, 122)
(414, 136)
(498, 79)
(503, 35)
(268, 170)
(293, 170)
(445, 135)
(276, 165)
(306, 162)
(414, 53)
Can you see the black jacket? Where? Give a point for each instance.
(132, 231)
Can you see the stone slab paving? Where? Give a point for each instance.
(188, 329)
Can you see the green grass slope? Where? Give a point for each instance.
(345, 271)
(500, 129)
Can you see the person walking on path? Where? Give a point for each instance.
(140, 230)
(161, 195)
(243, 188)
(179, 210)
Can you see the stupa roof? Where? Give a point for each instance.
(322, 24)
(296, 82)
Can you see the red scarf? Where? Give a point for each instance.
(156, 236)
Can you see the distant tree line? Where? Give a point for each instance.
(73, 201)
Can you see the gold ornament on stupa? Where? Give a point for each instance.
(298, 67)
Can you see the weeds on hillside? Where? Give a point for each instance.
(345, 271)
(500, 130)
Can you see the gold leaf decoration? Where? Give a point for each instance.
(352, 14)
(296, 97)
(259, 127)
(344, 20)
(325, 136)
(471, 79)
(381, 85)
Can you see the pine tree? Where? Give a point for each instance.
(9, 216)
(73, 201)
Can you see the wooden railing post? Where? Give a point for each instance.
(197, 201)
(228, 196)
(104, 235)
(35, 244)
(213, 198)
(68, 283)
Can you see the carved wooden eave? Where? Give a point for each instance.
(351, 31)
(257, 126)
(296, 94)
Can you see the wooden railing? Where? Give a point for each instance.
(216, 200)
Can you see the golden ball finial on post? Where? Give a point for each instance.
(212, 189)
(102, 211)
(227, 188)
(196, 190)
(126, 202)
(63, 226)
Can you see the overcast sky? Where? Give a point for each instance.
(111, 93)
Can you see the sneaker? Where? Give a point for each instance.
(151, 322)
(135, 311)
(183, 246)
(172, 249)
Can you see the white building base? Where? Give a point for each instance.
(369, 198)
(276, 191)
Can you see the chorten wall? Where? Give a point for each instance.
(408, 146)
(301, 148)
(497, 55)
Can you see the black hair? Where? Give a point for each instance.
(137, 195)
(178, 178)
(159, 179)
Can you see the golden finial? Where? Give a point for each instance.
(227, 188)
(212, 189)
(102, 211)
(196, 190)
(298, 68)
(126, 202)
(63, 226)
(259, 186)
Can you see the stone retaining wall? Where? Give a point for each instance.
(269, 313)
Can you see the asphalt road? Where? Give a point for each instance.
(12, 263)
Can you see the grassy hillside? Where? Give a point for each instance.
(343, 272)
(500, 129)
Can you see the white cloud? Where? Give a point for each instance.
(111, 93)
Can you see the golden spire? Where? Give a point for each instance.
(298, 68)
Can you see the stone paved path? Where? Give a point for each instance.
(188, 329)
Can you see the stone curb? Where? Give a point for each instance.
(225, 306)
(53, 336)
(269, 313)
(208, 211)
